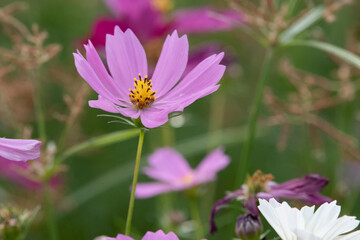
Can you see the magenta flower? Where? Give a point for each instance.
(19, 150)
(130, 92)
(12, 171)
(159, 235)
(135, 14)
(204, 20)
(306, 189)
(174, 173)
(13, 156)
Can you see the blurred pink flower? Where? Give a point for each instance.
(175, 174)
(12, 171)
(19, 150)
(151, 100)
(18, 170)
(159, 235)
(13, 156)
(149, 22)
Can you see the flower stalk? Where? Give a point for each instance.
(195, 215)
(34, 76)
(248, 145)
(49, 210)
(135, 178)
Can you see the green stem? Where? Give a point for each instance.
(195, 215)
(246, 151)
(168, 136)
(133, 187)
(34, 76)
(51, 222)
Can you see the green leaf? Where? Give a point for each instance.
(302, 24)
(101, 141)
(329, 48)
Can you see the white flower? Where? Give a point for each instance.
(305, 224)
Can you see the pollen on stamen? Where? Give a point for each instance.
(142, 96)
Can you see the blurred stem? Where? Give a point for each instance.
(195, 215)
(165, 200)
(101, 141)
(246, 151)
(12, 120)
(168, 135)
(216, 122)
(291, 7)
(51, 222)
(216, 119)
(36, 82)
(133, 187)
(63, 136)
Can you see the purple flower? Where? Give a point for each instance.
(159, 235)
(136, 14)
(130, 92)
(306, 189)
(174, 173)
(19, 150)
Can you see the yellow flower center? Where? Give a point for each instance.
(163, 5)
(187, 179)
(142, 96)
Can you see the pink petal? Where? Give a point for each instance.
(120, 237)
(167, 165)
(103, 104)
(171, 64)
(200, 82)
(126, 58)
(205, 19)
(128, 110)
(184, 102)
(19, 149)
(148, 190)
(160, 235)
(11, 170)
(96, 64)
(213, 162)
(90, 76)
(154, 117)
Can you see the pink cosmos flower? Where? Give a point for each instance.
(13, 156)
(159, 235)
(130, 92)
(175, 174)
(19, 150)
(136, 14)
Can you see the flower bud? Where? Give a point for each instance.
(248, 227)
